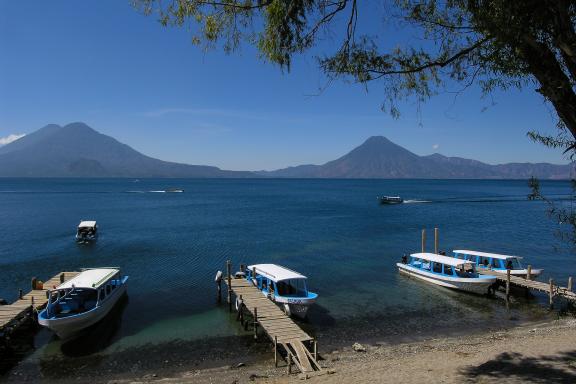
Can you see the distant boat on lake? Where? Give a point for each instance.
(174, 190)
(82, 301)
(387, 200)
(87, 231)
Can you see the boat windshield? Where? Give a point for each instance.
(292, 287)
(73, 301)
(513, 263)
(466, 270)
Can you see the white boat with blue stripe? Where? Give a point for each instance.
(283, 286)
(82, 301)
(496, 262)
(446, 271)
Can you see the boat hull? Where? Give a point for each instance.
(478, 285)
(69, 327)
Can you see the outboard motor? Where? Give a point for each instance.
(404, 259)
(218, 277)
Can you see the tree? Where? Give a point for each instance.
(496, 44)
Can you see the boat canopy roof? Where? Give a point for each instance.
(275, 272)
(486, 254)
(87, 224)
(91, 278)
(441, 259)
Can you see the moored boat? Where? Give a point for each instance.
(496, 262)
(387, 200)
(82, 301)
(447, 272)
(283, 286)
(87, 231)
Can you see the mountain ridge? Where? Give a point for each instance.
(76, 150)
(380, 158)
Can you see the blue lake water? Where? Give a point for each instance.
(333, 231)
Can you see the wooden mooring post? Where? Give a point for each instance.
(507, 284)
(289, 362)
(276, 351)
(423, 240)
(315, 348)
(229, 277)
(255, 323)
(529, 273)
(569, 286)
(436, 240)
(551, 293)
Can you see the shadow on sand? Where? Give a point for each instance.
(558, 368)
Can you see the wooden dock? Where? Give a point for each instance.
(279, 327)
(12, 315)
(551, 289)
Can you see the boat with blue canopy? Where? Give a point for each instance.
(82, 301)
(446, 271)
(496, 262)
(283, 286)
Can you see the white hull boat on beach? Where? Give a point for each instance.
(446, 272)
(82, 301)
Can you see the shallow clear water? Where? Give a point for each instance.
(333, 231)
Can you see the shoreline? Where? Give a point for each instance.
(544, 352)
(241, 360)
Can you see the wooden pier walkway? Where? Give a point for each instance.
(549, 288)
(12, 314)
(279, 327)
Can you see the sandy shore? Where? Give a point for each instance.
(544, 353)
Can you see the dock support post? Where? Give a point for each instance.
(32, 301)
(551, 293)
(254, 281)
(20, 294)
(529, 273)
(219, 287)
(62, 277)
(239, 309)
(255, 323)
(315, 349)
(276, 351)
(33, 283)
(423, 240)
(569, 286)
(507, 284)
(229, 277)
(436, 240)
(242, 268)
(289, 362)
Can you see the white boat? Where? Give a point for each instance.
(283, 286)
(87, 231)
(82, 301)
(496, 262)
(387, 200)
(447, 272)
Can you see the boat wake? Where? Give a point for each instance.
(416, 201)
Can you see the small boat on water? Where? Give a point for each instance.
(82, 301)
(446, 271)
(174, 190)
(87, 232)
(387, 200)
(283, 286)
(496, 262)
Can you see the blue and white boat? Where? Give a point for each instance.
(82, 301)
(87, 231)
(496, 262)
(446, 271)
(283, 286)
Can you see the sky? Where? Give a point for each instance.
(103, 63)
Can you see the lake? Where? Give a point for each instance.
(333, 231)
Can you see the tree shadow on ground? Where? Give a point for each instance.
(558, 368)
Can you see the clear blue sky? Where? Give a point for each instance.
(103, 63)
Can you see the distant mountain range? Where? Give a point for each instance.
(76, 150)
(379, 158)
